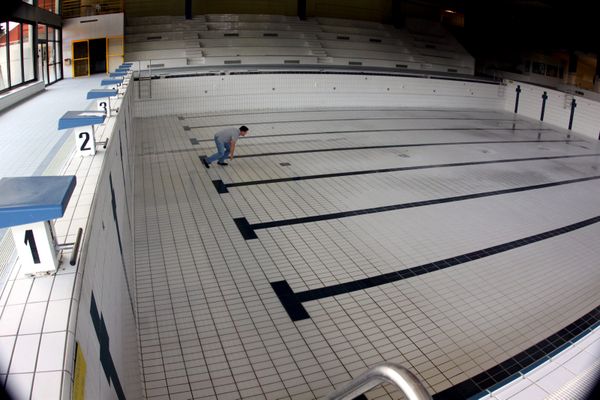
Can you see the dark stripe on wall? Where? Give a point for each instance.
(113, 202)
(108, 365)
(292, 302)
(195, 141)
(222, 187)
(522, 363)
(343, 214)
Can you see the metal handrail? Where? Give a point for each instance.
(387, 372)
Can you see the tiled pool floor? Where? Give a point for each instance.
(452, 242)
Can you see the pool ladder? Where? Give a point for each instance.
(397, 375)
(145, 81)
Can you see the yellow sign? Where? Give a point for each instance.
(79, 378)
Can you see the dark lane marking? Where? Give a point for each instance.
(292, 302)
(223, 187)
(522, 363)
(196, 141)
(249, 229)
(393, 146)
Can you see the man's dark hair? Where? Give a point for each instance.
(244, 128)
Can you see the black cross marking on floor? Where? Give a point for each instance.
(223, 187)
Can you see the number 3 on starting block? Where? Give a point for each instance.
(103, 105)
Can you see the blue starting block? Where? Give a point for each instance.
(116, 74)
(112, 81)
(28, 205)
(115, 83)
(83, 123)
(103, 98)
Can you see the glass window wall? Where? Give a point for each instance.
(15, 53)
(18, 53)
(4, 72)
(30, 50)
(28, 53)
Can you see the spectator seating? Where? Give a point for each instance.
(222, 39)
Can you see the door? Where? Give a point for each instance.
(43, 61)
(81, 58)
(97, 48)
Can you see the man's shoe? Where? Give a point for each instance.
(222, 163)
(206, 164)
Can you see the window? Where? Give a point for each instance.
(28, 53)
(50, 5)
(15, 54)
(42, 32)
(538, 68)
(552, 70)
(54, 54)
(4, 73)
(18, 53)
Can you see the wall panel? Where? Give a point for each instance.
(294, 91)
(106, 321)
(558, 108)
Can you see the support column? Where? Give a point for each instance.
(302, 10)
(188, 9)
(397, 17)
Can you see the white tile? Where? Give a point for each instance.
(40, 290)
(25, 354)
(531, 392)
(6, 349)
(57, 315)
(20, 291)
(46, 385)
(555, 379)
(52, 350)
(10, 319)
(580, 362)
(33, 318)
(63, 287)
(18, 386)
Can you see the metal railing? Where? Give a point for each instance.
(397, 375)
